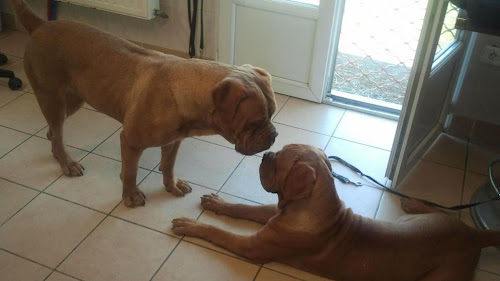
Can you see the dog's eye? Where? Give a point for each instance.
(256, 124)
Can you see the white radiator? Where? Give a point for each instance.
(144, 9)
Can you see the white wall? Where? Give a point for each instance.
(480, 95)
(171, 33)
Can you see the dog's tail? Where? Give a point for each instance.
(489, 238)
(26, 16)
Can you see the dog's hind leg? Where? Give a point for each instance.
(413, 206)
(54, 109)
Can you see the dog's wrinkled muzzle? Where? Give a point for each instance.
(257, 142)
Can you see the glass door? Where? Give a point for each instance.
(376, 50)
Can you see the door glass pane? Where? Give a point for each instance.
(377, 46)
(449, 33)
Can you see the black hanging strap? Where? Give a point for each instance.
(192, 15)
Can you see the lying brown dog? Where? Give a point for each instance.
(160, 99)
(312, 230)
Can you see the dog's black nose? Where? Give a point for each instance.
(272, 137)
(268, 155)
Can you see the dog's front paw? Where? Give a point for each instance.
(179, 188)
(134, 197)
(213, 203)
(72, 169)
(187, 226)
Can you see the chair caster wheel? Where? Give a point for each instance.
(15, 83)
(3, 59)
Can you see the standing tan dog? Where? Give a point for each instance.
(312, 230)
(160, 99)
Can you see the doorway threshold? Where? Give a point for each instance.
(363, 104)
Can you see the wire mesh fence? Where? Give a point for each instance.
(377, 46)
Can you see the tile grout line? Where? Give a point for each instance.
(39, 192)
(338, 124)
(286, 274)
(283, 106)
(11, 101)
(168, 256)
(257, 273)
(464, 177)
(65, 274)
(43, 191)
(25, 258)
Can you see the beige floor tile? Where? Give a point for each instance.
(12, 198)
(161, 206)
(485, 276)
(319, 118)
(86, 129)
(10, 139)
(490, 256)
(32, 163)
(14, 44)
(47, 229)
(429, 181)
(283, 268)
(448, 150)
(7, 95)
(204, 163)
(18, 68)
(367, 129)
(269, 275)
(370, 160)
(280, 102)
(238, 226)
(5, 31)
(479, 159)
(216, 139)
(245, 182)
(192, 263)
(472, 182)
(87, 106)
(23, 114)
(118, 250)
(363, 200)
(389, 208)
(287, 135)
(56, 276)
(14, 268)
(434, 182)
(111, 148)
(99, 188)
(490, 260)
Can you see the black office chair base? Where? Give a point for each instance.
(3, 59)
(14, 82)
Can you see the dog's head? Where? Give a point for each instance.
(244, 104)
(292, 171)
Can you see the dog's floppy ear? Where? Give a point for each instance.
(227, 96)
(299, 182)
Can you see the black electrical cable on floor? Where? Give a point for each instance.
(429, 203)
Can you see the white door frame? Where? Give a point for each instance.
(315, 89)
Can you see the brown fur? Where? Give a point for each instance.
(160, 99)
(312, 230)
